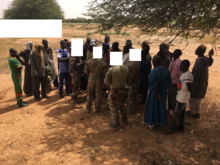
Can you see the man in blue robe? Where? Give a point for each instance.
(160, 80)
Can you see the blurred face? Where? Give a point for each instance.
(45, 43)
(197, 52)
(114, 46)
(88, 41)
(13, 53)
(63, 45)
(31, 46)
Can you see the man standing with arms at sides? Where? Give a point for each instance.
(28, 82)
(76, 69)
(16, 76)
(200, 84)
(117, 77)
(38, 72)
(175, 72)
(48, 56)
(64, 69)
(96, 70)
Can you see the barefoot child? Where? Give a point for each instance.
(184, 87)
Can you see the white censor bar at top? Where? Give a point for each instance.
(31, 28)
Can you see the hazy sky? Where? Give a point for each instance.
(71, 8)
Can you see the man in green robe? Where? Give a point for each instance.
(16, 76)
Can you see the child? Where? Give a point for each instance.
(184, 87)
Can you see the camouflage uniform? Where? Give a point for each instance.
(96, 70)
(117, 77)
(132, 93)
(76, 69)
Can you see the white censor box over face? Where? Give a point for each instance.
(30, 28)
(134, 54)
(97, 52)
(116, 59)
(77, 47)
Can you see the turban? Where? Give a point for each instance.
(146, 42)
(28, 45)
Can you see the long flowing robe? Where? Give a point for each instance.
(28, 81)
(155, 111)
(200, 77)
(48, 59)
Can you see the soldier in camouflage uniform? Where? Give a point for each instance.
(96, 70)
(117, 77)
(133, 67)
(76, 69)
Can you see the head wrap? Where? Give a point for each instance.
(36, 51)
(28, 45)
(146, 42)
(203, 47)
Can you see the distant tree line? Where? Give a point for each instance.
(79, 20)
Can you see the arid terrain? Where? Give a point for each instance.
(50, 133)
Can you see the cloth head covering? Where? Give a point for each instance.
(146, 42)
(28, 45)
(203, 47)
(36, 46)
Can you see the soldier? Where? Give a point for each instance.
(117, 77)
(133, 67)
(76, 69)
(96, 70)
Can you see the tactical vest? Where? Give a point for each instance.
(119, 77)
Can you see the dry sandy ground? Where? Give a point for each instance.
(50, 133)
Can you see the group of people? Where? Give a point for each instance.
(170, 83)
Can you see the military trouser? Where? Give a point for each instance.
(116, 101)
(132, 97)
(94, 88)
(76, 88)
